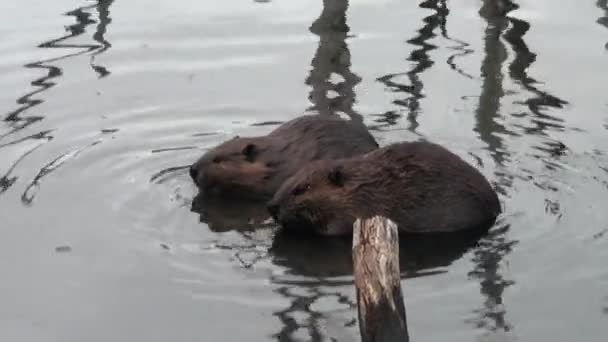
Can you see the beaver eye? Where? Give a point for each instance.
(300, 189)
(217, 160)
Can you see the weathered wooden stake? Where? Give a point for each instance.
(376, 265)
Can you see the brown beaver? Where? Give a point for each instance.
(421, 186)
(255, 167)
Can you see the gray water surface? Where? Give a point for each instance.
(104, 102)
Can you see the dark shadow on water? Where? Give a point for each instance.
(603, 20)
(226, 214)
(331, 61)
(312, 264)
(322, 257)
(82, 15)
(326, 257)
(422, 61)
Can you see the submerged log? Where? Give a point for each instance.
(376, 266)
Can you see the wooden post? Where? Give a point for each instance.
(376, 266)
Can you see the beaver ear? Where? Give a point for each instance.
(336, 176)
(250, 152)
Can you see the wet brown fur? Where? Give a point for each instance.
(421, 186)
(255, 167)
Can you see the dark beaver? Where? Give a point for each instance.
(421, 186)
(255, 167)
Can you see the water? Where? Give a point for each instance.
(104, 102)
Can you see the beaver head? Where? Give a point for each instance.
(236, 166)
(318, 197)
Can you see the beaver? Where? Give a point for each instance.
(421, 186)
(255, 167)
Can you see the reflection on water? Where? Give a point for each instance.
(103, 13)
(488, 111)
(225, 214)
(133, 190)
(603, 20)
(419, 255)
(317, 263)
(302, 297)
(17, 121)
(518, 71)
(493, 248)
(461, 49)
(331, 61)
(32, 189)
(306, 260)
(488, 257)
(83, 19)
(7, 180)
(422, 61)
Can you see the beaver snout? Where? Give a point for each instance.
(194, 173)
(273, 210)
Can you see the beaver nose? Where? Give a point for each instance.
(273, 209)
(194, 174)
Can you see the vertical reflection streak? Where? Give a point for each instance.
(422, 61)
(492, 91)
(332, 57)
(83, 19)
(487, 258)
(103, 13)
(523, 60)
(493, 248)
(301, 303)
(15, 119)
(603, 20)
(462, 48)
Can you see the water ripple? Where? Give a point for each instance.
(6, 181)
(32, 189)
(83, 19)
